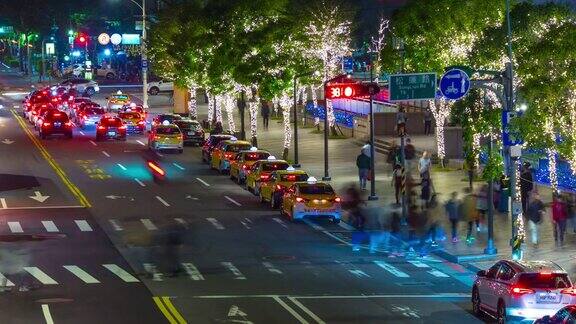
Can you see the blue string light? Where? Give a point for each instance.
(344, 118)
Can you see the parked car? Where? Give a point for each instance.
(74, 69)
(83, 86)
(105, 72)
(156, 87)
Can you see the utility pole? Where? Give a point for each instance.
(242, 108)
(372, 148)
(326, 125)
(490, 248)
(296, 162)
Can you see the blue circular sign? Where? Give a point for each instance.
(454, 84)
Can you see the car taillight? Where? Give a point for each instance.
(34, 112)
(337, 199)
(68, 124)
(264, 177)
(180, 137)
(141, 122)
(300, 199)
(279, 187)
(156, 137)
(521, 291)
(122, 127)
(101, 127)
(569, 291)
(156, 168)
(46, 124)
(228, 156)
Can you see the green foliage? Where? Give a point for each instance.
(494, 167)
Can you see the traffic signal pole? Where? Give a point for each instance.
(372, 148)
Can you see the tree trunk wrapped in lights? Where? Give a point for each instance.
(331, 117)
(192, 104)
(253, 109)
(285, 103)
(210, 108)
(219, 103)
(551, 154)
(440, 110)
(228, 102)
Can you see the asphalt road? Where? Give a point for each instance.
(244, 263)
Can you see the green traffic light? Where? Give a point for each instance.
(70, 32)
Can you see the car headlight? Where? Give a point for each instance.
(97, 88)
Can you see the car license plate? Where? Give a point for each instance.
(190, 133)
(112, 133)
(57, 124)
(547, 298)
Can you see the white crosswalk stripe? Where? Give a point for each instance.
(237, 274)
(50, 226)
(15, 227)
(40, 275)
(392, 269)
(4, 282)
(192, 271)
(148, 224)
(418, 264)
(271, 268)
(152, 269)
(215, 223)
(115, 225)
(83, 275)
(120, 273)
(438, 273)
(83, 225)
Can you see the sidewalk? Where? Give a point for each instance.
(343, 171)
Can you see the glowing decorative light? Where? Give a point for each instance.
(219, 102)
(107, 52)
(253, 109)
(210, 106)
(228, 102)
(440, 110)
(192, 104)
(285, 104)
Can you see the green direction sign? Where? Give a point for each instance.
(6, 29)
(414, 86)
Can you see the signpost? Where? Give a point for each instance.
(415, 86)
(454, 84)
(510, 138)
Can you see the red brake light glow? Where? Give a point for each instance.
(57, 114)
(300, 199)
(122, 127)
(521, 291)
(101, 127)
(156, 168)
(46, 124)
(337, 199)
(280, 187)
(569, 291)
(264, 177)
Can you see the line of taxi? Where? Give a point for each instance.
(294, 192)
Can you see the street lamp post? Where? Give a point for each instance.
(372, 148)
(296, 163)
(144, 63)
(326, 176)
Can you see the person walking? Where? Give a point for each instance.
(526, 186)
(470, 214)
(397, 174)
(427, 121)
(452, 211)
(425, 185)
(363, 164)
(401, 122)
(424, 165)
(482, 204)
(265, 115)
(559, 216)
(535, 215)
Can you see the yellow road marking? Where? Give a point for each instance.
(174, 311)
(164, 310)
(71, 186)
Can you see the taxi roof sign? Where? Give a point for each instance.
(233, 138)
(253, 149)
(290, 168)
(271, 158)
(133, 105)
(166, 123)
(119, 92)
(312, 180)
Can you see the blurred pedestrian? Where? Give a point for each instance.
(265, 115)
(536, 211)
(425, 185)
(526, 186)
(424, 165)
(559, 217)
(571, 209)
(397, 175)
(482, 203)
(217, 129)
(378, 225)
(452, 207)
(352, 203)
(363, 164)
(401, 120)
(173, 240)
(469, 214)
(393, 156)
(427, 121)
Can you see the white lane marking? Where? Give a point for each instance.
(245, 225)
(43, 207)
(50, 226)
(314, 225)
(140, 182)
(40, 275)
(392, 269)
(106, 153)
(162, 201)
(93, 143)
(192, 271)
(290, 310)
(115, 225)
(439, 274)
(346, 226)
(203, 182)
(238, 275)
(148, 224)
(121, 166)
(271, 268)
(3, 203)
(216, 223)
(306, 310)
(15, 227)
(359, 273)
(153, 270)
(4, 282)
(418, 264)
(82, 133)
(83, 225)
(47, 315)
(83, 275)
(121, 273)
(178, 166)
(395, 296)
(140, 142)
(16, 106)
(233, 201)
(279, 221)
(180, 221)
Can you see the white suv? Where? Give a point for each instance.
(156, 87)
(522, 290)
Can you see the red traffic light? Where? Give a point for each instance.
(82, 39)
(350, 90)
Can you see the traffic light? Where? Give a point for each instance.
(350, 90)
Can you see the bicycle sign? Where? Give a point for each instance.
(454, 84)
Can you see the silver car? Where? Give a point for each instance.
(522, 290)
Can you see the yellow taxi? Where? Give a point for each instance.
(225, 152)
(260, 172)
(240, 167)
(311, 199)
(273, 190)
(134, 121)
(117, 101)
(166, 137)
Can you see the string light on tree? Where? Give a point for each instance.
(285, 104)
(210, 106)
(192, 105)
(440, 110)
(219, 104)
(551, 154)
(253, 110)
(228, 102)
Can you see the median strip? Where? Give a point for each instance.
(71, 186)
